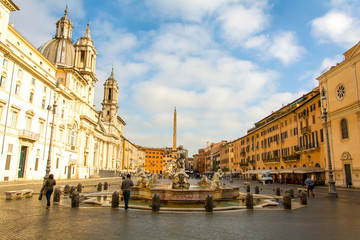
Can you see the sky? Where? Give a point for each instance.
(224, 64)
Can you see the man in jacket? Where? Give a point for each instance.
(126, 187)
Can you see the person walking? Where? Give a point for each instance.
(126, 187)
(48, 188)
(310, 186)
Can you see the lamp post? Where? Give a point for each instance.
(332, 191)
(48, 165)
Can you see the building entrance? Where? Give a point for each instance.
(22, 162)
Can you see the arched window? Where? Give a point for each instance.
(344, 129)
(304, 165)
(317, 165)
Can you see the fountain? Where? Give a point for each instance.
(180, 189)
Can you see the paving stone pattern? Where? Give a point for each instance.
(322, 218)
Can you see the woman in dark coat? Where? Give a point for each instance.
(49, 187)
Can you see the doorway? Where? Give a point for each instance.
(348, 177)
(22, 162)
(69, 172)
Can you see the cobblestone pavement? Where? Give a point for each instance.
(322, 218)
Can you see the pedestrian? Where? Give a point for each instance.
(47, 189)
(310, 186)
(126, 187)
(348, 184)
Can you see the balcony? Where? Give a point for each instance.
(306, 130)
(307, 148)
(244, 164)
(293, 157)
(28, 135)
(272, 160)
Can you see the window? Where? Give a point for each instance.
(57, 163)
(340, 92)
(41, 127)
(313, 119)
(36, 164)
(20, 73)
(33, 81)
(28, 123)
(17, 89)
(7, 164)
(13, 118)
(45, 89)
(2, 81)
(43, 103)
(321, 135)
(10, 147)
(109, 96)
(31, 97)
(344, 129)
(5, 63)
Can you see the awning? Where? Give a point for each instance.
(262, 171)
(299, 170)
(305, 170)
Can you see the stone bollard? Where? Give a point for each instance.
(72, 190)
(303, 199)
(115, 200)
(209, 203)
(287, 199)
(155, 206)
(249, 201)
(292, 193)
(106, 186)
(247, 188)
(75, 199)
(99, 187)
(277, 191)
(66, 189)
(57, 194)
(257, 191)
(79, 187)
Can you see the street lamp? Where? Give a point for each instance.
(48, 165)
(332, 191)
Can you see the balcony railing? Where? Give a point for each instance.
(305, 130)
(244, 164)
(295, 157)
(270, 160)
(25, 134)
(307, 147)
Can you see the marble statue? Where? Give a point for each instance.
(215, 181)
(143, 182)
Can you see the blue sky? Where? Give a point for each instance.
(224, 64)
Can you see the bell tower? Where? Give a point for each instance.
(110, 102)
(85, 53)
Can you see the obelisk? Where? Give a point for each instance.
(174, 132)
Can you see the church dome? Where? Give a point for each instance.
(60, 50)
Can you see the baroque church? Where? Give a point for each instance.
(47, 113)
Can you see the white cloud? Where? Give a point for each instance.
(188, 10)
(338, 27)
(282, 46)
(241, 22)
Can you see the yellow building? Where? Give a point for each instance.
(289, 143)
(154, 160)
(340, 90)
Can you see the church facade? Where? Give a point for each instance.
(47, 113)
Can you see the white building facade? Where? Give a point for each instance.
(60, 74)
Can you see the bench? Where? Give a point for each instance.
(10, 195)
(302, 189)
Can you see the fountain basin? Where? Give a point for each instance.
(199, 194)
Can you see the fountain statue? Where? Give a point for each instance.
(154, 179)
(204, 181)
(216, 183)
(143, 181)
(179, 176)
